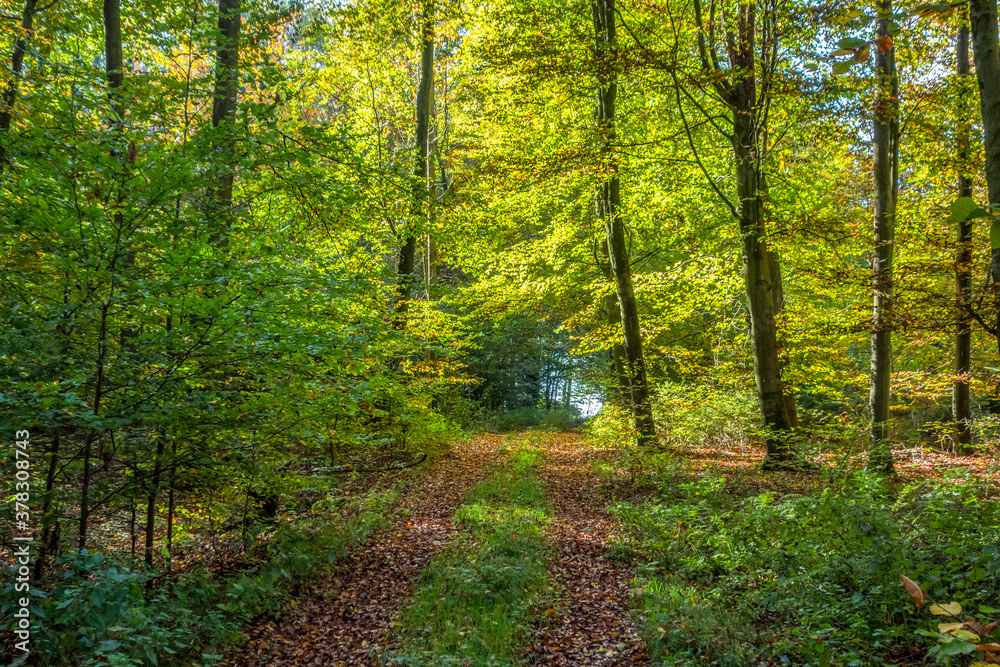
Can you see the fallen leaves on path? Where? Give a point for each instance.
(343, 618)
(590, 624)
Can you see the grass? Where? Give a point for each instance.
(475, 601)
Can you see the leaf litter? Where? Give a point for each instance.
(344, 618)
(590, 624)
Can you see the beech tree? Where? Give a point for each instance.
(885, 144)
(608, 205)
(745, 89)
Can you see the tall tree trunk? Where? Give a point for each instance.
(960, 407)
(14, 83)
(885, 140)
(407, 251)
(760, 270)
(224, 97)
(986, 49)
(608, 205)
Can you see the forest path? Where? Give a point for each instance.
(340, 617)
(591, 624)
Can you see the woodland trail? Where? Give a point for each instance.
(591, 624)
(341, 617)
(344, 616)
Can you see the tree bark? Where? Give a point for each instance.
(407, 252)
(608, 205)
(885, 142)
(613, 314)
(48, 521)
(762, 278)
(986, 50)
(960, 403)
(224, 98)
(13, 84)
(154, 487)
(760, 271)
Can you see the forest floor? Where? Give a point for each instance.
(352, 616)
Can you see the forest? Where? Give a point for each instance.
(496, 333)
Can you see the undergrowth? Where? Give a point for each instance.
(730, 576)
(105, 614)
(474, 602)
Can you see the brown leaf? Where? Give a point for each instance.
(914, 590)
(861, 55)
(884, 43)
(992, 646)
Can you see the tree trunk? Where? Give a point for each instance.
(154, 487)
(961, 412)
(407, 251)
(885, 140)
(113, 61)
(608, 204)
(224, 96)
(761, 276)
(13, 84)
(48, 521)
(613, 313)
(170, 507)
(986, 49)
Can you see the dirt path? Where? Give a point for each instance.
(340, 619)
(591, 624)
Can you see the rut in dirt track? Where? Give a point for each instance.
(591, 624)
(341, 617)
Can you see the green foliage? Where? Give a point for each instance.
(475, 601)
(110, 614)
(745, 576)
(705, 416)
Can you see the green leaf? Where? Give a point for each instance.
(851, 43)
(956, 647)
(108, 645)
(840, 68)
(963, 209)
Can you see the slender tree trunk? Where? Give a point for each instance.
(613, 313)
(48, 521)
(14, 83)
(154, 487)
(170, 506)
(224, 98)
(408, 250)
(92, 433)
(608, 205)
(885, 139)
(986, 49)
(960, 404)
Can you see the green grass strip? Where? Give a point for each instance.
(474, 603)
